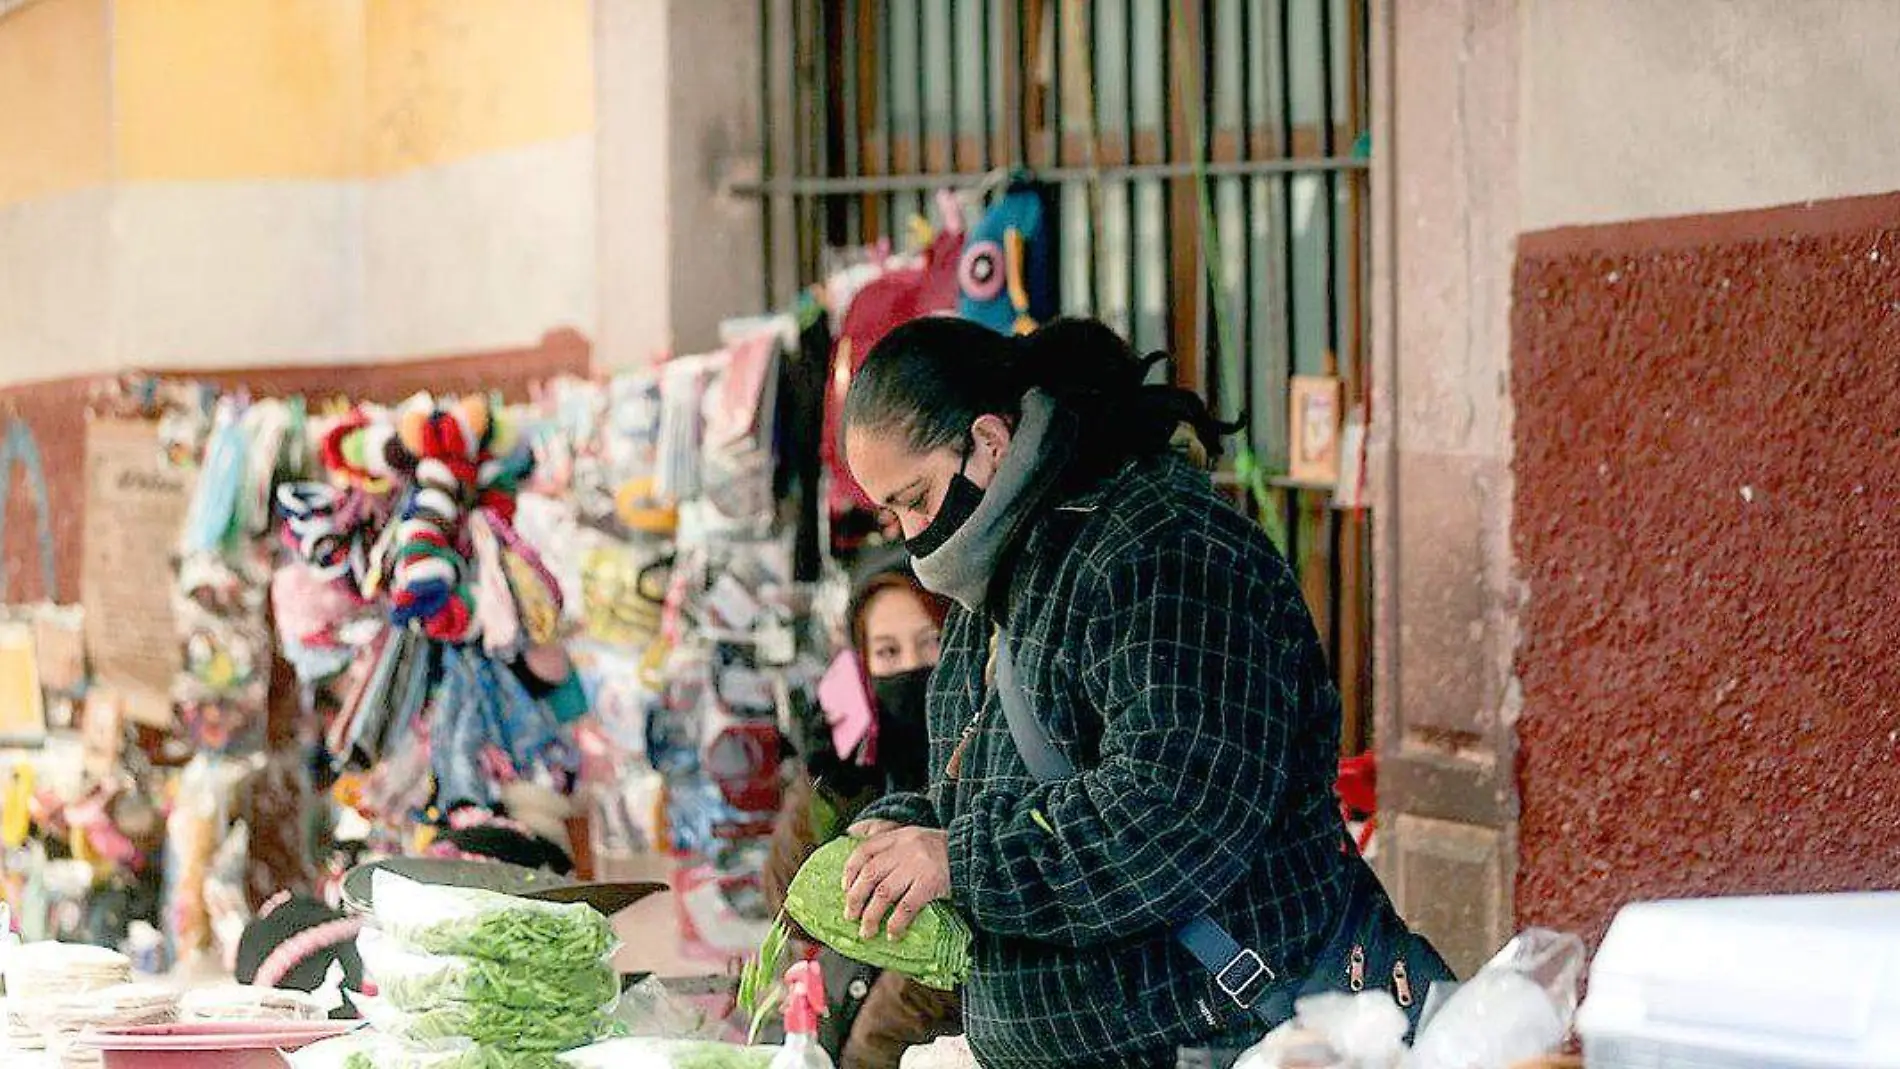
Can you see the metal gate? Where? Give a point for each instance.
(1212, 174)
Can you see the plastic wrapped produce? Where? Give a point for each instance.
(415, 982)
(650, 1053)
(465, 922)
(366, 1050)
(451, 1024)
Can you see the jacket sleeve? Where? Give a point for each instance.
(1197, 666)
(792, 842)
(915, 810)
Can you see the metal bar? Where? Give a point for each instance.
(834, 146)
(1022, 83)
(853, 161)
(989, 86)
(1288, 281)
(1168, 201)
(887, 74)
(956, 84)
(1213, 283)
(1057, 86)
(798, 151)
(922, 157)
(1094, 198)
(1128, 84)
(1131, 194)
(849, 184)
(1326, 139)
(1244, 86)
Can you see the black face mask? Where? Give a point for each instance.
(903, 732)
(960, 500)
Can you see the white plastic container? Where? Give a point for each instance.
(1807, 981)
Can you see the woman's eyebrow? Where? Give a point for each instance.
(890, 502)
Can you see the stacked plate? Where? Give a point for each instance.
(43, 975)
(63, 1020)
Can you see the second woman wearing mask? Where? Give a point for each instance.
(894, 631)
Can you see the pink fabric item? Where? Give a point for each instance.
(494, 600)
(737, 410)
(847, 704)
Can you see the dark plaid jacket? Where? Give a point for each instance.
(1166, 645)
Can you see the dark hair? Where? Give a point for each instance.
(933, 377)
(895, 578)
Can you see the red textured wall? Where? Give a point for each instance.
(1708, 517)
(55, 412)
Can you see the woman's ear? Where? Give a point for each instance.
(991, 437)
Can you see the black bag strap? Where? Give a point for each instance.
(1238, 971)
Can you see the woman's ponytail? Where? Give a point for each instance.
(1092, 371)
(933, 378)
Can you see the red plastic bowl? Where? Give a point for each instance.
(210, 1044)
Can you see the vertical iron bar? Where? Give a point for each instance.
(956, 85)
(847, 60)
(1165, 186)
(989, 87)
(1286, 182)
(1295, 535)
(921, 157)
(1094, 147)
(1345, 364)
(887, 75)
(1057, 157)
(1131, 200)
(1244, 151)
(1022, 83)
(1214, 282)
(796, 152)
(1128, 81)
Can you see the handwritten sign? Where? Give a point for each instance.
(135, 506)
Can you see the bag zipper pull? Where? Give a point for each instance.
(1401, 984)
(1356, 976)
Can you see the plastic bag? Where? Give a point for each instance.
(650, 1053)
(1517, 1007)
(649, 1010)
(414, 982)
(366, 1050)
(243, 1002)
(465, 922)
(450, 1025)
(1347, 1031)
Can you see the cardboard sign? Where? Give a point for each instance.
(135, 507)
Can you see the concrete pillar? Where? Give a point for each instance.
(678, 120)
(1445, 216)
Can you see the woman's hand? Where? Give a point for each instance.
(893, 876)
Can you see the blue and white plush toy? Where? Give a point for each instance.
(1007, 279)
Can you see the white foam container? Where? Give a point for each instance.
(1803, 981)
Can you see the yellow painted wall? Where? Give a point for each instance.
(452, 78)
(220, 89)
(55, 117)
(327, 89)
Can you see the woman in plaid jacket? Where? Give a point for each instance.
(1164, 648)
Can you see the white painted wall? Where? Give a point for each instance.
(1638, 109)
